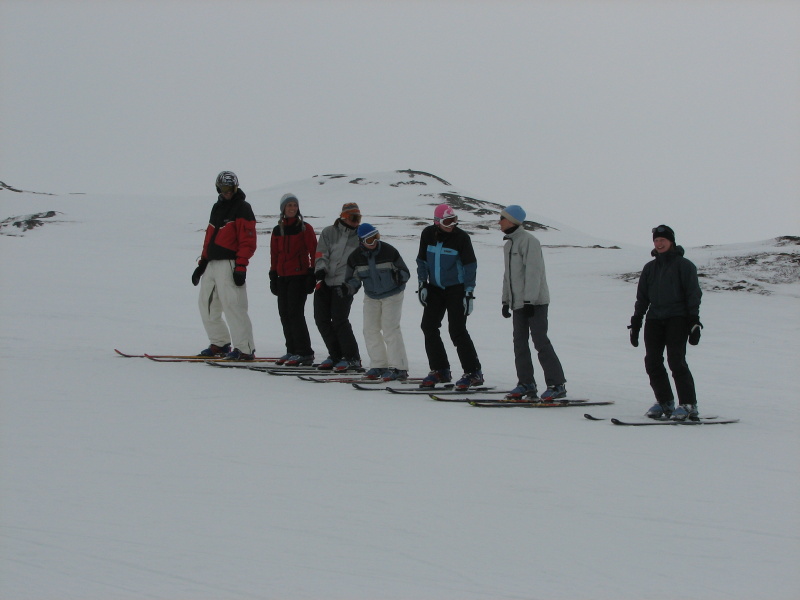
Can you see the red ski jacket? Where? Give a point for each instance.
(292, 248)
(231, 232)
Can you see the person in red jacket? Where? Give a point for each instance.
(291, 279)
(229, 244)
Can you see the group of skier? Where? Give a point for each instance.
(350, 254)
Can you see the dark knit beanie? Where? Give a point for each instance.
(663, 231)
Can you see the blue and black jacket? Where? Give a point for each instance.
(381, 271)
(446, 259)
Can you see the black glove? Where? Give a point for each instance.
(694, 331)
(422, 292)
(311, 282)
(273, 282)
(342, 290)
(198, 272)
(320, 274)
(528, 310)
(506, 312)
(239, 277)
(635, 327)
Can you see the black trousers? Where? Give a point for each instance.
(291, 309)
(332, 316)
(450, 301)
(535, 326)
(672, 335)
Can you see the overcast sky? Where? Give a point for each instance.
(611, 117)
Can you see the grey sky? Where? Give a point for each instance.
(611, 117)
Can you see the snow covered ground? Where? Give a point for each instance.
(124, 478)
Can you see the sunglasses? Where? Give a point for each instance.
(354, 218)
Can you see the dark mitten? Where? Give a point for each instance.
(198, 272)
(342, 290)
(635, 327)
(506, 311)
(320, 274)
(694, 332)
(273, 282)
(239, 277)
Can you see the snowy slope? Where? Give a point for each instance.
(123, 478)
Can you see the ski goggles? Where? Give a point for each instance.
(661, 229)
(352, 217)
(447, 221)
(226, 189)
(371, 239)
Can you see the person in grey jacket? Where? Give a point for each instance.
(526, 297)
(332, 300)
(379, 267)
(669, 293)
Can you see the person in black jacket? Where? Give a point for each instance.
(669, 293)
(446, 273)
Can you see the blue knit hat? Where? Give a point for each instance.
(514, 213)
(366, 230)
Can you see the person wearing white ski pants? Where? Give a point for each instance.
(218, 295)
(382, 333)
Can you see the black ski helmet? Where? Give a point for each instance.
(227, 179)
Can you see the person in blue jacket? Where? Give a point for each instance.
(379, 267)
(669, 294)
(446, 273)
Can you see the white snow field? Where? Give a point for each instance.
(125, 478)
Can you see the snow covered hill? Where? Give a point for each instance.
(126, 478)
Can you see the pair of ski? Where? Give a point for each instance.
(445, 388)
(531, 403)
(704, 420)
(299, 371)
(192, 358)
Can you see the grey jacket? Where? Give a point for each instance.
(524, 280)
(336, 243)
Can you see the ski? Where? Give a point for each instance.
(355, 379)
(180, 357)
(540, 404)
(300, 371)
(360, 385)
(665, 421)
(227, 364)
(650, 422)
(427, 390)
(204, 359)
(576, 401)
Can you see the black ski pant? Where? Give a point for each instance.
(535, 325)
(451, 301)
(670, 334)
(292, 294)
(332, 316)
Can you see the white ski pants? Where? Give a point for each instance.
(382, 333)
(218, 295)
